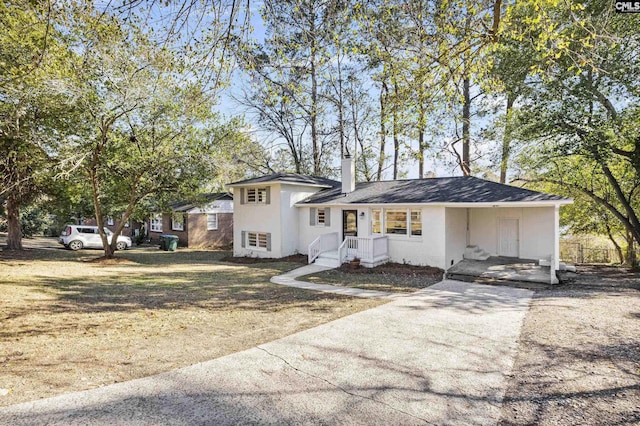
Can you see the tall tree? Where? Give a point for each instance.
(35, 110)
(288, 71)
(150, 127)
(583, 114)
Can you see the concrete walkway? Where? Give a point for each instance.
(438, 356)
(289, 279)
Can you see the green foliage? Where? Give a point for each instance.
(581, 118)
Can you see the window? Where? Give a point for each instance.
(110, 221)
(177, 222)
(376, 221)
(155, 223)
(257, 240)
(416, 222)
(320, 219)
(212, 222)
(395, 222)
(87, 230)
(256, 195)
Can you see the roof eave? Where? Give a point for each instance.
(282, 182)
(541, 203)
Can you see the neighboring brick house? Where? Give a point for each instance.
(210, 225)
(111, 224)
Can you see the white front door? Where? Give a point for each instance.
(508, 237)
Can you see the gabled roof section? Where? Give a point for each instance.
(185, 206)
(290, 178)
(463, 189)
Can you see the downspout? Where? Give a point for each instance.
(468, 227)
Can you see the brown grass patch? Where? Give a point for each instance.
(70, 325)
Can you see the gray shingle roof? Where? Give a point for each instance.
(464, 189)
(290, 178)
(184, 206)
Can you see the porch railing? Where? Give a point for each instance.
(367, 249)
(324, 242)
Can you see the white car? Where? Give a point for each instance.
(76, 237)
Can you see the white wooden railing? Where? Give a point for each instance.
(324, 242)
(367, 249)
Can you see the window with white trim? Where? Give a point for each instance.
(320, 217)
(155, 223)
(416, 223)
(376, 221)
(256, 196)
(395, 221)
(257, 240)
(212, 222)
(110, 221)
(177, 222)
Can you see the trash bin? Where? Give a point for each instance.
(164, 243)
(171, 242)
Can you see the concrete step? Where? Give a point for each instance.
(326, 261)
(332, 254)
(475, 253)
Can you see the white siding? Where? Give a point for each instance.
(258, 218)
(537, 232)
(456, 240)
(536, 229)
(291, 217)
(307, 233)
(427, 250)
(279, 217)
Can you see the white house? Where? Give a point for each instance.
(433, 221)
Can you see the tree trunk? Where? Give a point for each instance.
(341, 111)
(14, 235)
(631, 260)
(396, 140)
(466, 126)
(383, 129)
(421, 144)
(95, 186)
(506, 140)
(314, 107)
(614, 242)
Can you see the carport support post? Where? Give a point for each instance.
(555, 259)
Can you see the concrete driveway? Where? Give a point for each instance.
(437, 356)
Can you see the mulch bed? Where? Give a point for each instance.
(400, 269)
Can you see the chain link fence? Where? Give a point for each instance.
(572, 252)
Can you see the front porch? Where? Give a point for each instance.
(326, 250)
(501, 269)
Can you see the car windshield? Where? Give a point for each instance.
(107, 231)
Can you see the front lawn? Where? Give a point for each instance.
(71, 323)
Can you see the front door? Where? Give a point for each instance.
(508, 238)
(349, 223)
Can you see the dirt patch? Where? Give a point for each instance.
(578, 358)
(602, 276)
(70, 325)
(243, 260)
(113, 261)
(390, 277)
